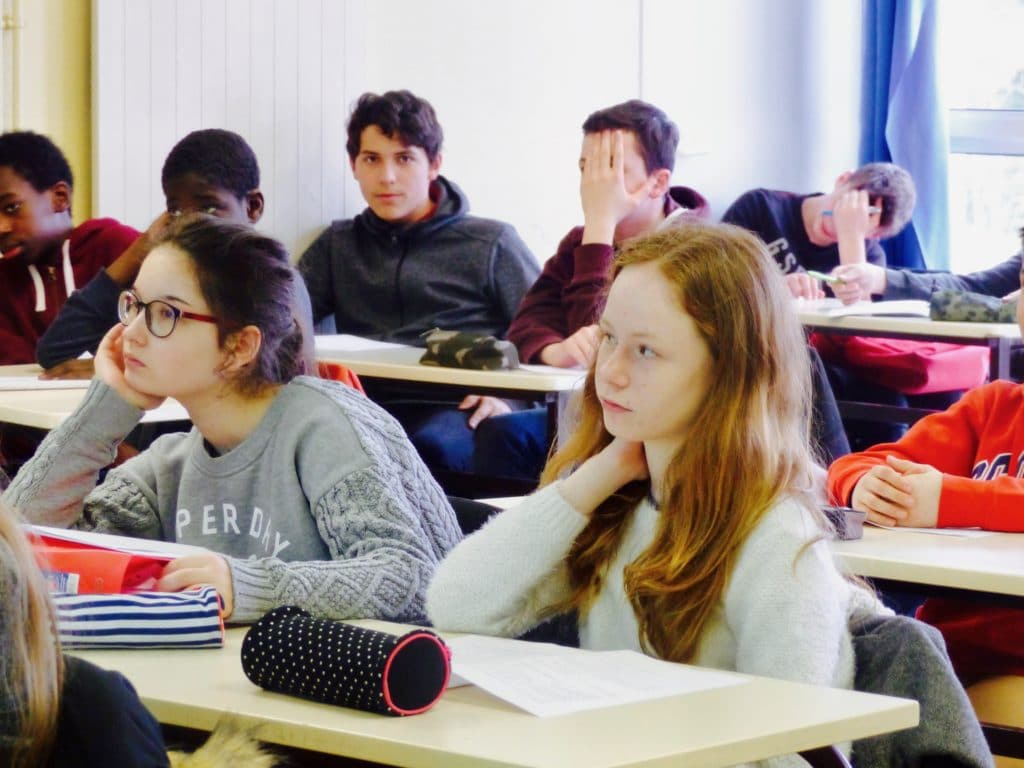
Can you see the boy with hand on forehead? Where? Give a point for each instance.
(415, 260)
(823, 231)
(626, 164)
(210, 171)
(45, 257)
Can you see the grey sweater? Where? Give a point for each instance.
(326, 505)
(451, 271)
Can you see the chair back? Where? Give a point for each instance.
(470, 513)
(327, 369)
(900, 656)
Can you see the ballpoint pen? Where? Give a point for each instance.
(825, 278)
(871, 209)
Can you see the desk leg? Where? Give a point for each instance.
(999, 359)
(1004, 740)
(551, 403)
(825, 757)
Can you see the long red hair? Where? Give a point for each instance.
(749, 445)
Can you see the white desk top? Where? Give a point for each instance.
(988, 564)
(26, 376)
(468, 727)
(46, 408)
(993, 563)
(394, 361)
(918, 326)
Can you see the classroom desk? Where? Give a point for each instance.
(988, 568)
(397, 364)
(44, 408)
(468, 727)
(985, 569)
(998, 337)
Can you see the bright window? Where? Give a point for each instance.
(983, 73)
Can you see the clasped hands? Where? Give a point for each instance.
(899, 492)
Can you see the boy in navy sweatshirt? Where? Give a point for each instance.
(209, 171)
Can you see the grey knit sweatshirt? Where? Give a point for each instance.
(326, 505)
(393, 282)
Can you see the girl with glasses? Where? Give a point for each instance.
(288, 482)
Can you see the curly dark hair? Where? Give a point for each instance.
(35, 158)
(222, 158)
(396, 113)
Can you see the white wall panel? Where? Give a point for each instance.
(163, 112)
(271, 70)
(765, 93)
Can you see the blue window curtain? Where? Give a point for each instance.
(905, 121)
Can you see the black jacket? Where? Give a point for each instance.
(103, 724)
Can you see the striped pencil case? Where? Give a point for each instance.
(187, 619)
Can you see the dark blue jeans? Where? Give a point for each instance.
(439, 432)
(513, 445)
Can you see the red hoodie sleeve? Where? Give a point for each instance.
(566, 296)
(977, 436)
(96, 244)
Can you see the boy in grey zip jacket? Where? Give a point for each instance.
(415, 260)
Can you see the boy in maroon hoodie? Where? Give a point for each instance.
(626, 163)
(44, 257)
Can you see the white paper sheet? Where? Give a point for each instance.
(964, 533)
(548, 680)
(12, 383)
(345, 342)
(168, 549)
(896, 308)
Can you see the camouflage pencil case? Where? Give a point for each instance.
(967, 307)
(459, 349)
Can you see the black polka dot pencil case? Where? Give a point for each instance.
(289, 651)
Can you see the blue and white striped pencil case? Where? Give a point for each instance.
(187, 619)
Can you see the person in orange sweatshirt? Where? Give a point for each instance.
(963, 467)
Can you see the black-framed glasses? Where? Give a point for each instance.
(161, 317)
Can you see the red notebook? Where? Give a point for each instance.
(80, 568)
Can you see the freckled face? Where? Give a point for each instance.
(653, 366)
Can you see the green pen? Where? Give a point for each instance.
(825, 278)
